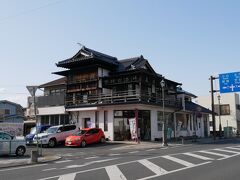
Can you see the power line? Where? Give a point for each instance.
(2, 20)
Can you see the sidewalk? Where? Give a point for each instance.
(12, 161)
(171, 143)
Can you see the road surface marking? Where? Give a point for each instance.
(153, 167)
(63, 161)
(150, 149)
(165, 148)
(67, 176)
(114, 173)
(49, 169)
(88, 163)
(180, 161)
(214, 153)
(133, 152)
(114, 154)
(93, 157)
(198, 156)
(124, 163)
(225, 150)
(233, 148)
(176, 170)
(24, 167)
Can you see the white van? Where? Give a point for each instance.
(55, 134)
(10, 144)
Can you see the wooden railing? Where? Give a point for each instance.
(120, 97)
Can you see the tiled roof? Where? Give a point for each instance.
(190, 106)
(61, 81)
(134, 63)
(85, 53)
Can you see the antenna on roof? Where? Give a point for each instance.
(81, 45)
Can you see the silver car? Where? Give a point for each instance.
(10, 144)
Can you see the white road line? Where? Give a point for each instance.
(114, 173)
(67, 176)
(49, 169)
(153, 167)
(150, 149)
(225, 150)
(63, 161)
(165, 148)
(98, 168)
(114, 154)
(214, 153)
(198, 156)
(234, 148)
(180, 161)
(177, 170)
(93, 157)
(24, 167)
(133, 152)
(88, 163)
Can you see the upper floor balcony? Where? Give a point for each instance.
(50, 100)
(121, 97)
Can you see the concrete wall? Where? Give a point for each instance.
(228, 98)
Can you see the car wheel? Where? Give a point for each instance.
(20, 151)
(102, 140)
(52, 143)
(83, 144)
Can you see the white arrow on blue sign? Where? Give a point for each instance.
(229, 82)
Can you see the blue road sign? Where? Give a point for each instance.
(229, 82)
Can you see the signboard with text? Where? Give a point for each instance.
(229, 82)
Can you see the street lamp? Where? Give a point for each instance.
(219, 116)
(164, 130)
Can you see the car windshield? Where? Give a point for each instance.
(52, 130)
(79, 133)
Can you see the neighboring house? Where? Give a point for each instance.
(193, 119)
(105, 92)
(50, 106)
(11, 117)
(229, 110)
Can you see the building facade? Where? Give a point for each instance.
(50, 106)
(227, 109)
(11, 117)
(102, 91)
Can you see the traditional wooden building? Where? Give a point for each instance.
(105, 92)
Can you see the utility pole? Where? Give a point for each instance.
(213, 112)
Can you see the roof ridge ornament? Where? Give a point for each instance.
(81, 45)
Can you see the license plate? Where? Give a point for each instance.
(69, 142)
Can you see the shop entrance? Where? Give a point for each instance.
(122, 128)
(87, 122)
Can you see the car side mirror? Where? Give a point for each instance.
(58, 131)
(87, 134)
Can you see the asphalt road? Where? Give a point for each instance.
(198, 162)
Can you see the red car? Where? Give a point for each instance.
(85, 136)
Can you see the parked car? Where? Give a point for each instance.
(34, 131)
(10, 144)
(55, 135)
(85, 136)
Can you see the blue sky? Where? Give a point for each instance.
(185, 40)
